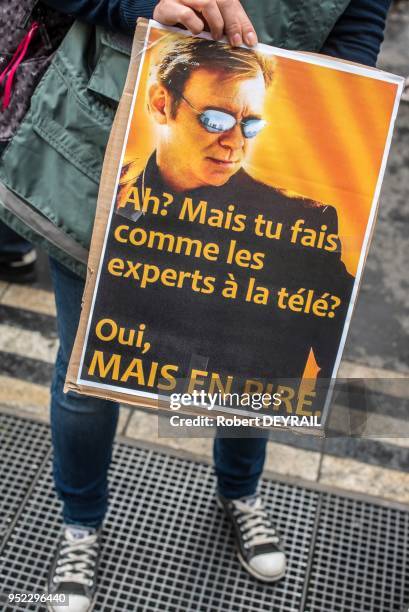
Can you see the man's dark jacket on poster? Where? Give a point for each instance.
(203, 321)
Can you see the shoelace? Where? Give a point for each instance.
(254, 524)
(76, 560)
(11, 68)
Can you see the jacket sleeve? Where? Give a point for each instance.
(114, 14)
(358, 34)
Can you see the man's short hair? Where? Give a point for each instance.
(179, 57)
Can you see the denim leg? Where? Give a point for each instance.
(239, 462)
(10, 242)
(82, 427)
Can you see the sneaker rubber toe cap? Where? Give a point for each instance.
(269, 565)
(77, 603)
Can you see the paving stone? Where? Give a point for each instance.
(356, 476)
(21, 296)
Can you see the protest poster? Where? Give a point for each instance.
(237, 203)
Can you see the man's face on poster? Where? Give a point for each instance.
(191, 156)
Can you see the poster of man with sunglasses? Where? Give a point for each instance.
(223, 270)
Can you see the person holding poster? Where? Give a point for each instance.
(207, 101)
(83, 428)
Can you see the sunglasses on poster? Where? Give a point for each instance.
(217, 121)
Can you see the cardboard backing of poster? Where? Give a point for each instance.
(237, 202)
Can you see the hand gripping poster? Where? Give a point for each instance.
(236, 208)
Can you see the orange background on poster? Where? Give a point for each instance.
(325, 139)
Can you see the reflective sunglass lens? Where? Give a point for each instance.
(217, 121)
(252, 127)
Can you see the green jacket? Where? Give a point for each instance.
(50, 171)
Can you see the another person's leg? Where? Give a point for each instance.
(239, 464)
(83, 430)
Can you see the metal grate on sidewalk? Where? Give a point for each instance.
(23, 447)
(361, 558)
(168, 548)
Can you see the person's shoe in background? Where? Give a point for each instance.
(17, 257)
(74, 569)
(18, 267)
(257, 541)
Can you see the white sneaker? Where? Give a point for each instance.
(73, 572)
(257, 541)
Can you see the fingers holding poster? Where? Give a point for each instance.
(239, 227)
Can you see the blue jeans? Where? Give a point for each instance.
(83, 430)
